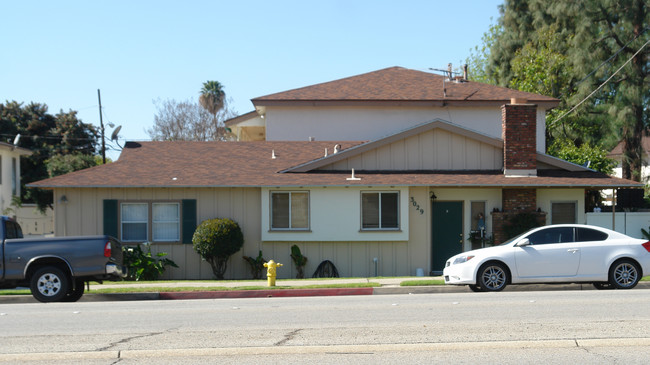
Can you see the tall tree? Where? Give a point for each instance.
(599, 39)
(188, 121)
(49, 137)
(478, 59)
(212, 99)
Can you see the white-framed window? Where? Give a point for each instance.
(290, 210)
(135, 222)
(150, 221)
(166, 222)
(563, 212)
(380, 210)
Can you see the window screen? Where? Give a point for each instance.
(563, 213)
(380, 210)
(289, 210)
(135, 217)
(166, 222)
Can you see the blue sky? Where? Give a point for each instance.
(60, 52)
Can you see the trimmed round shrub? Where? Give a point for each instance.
(215, 240)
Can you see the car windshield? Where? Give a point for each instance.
(513, 239)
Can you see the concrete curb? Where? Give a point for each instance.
(279, 293)
(266, 293)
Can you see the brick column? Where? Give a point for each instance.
(513, 202)
(519, 124)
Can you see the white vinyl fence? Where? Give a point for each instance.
(626, 223)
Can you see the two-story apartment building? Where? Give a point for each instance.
(389, 171)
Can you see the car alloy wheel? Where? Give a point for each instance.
(624, 275)
(49, 284)
(493, 278)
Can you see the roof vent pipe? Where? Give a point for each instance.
(465, 73)
(336, 148)
(518, 101)
(352, 177)
(325, 152)
(273, 154)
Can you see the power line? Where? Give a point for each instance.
(601, 85)
(57, 137)
(611, 57)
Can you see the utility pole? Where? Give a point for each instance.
(101, 126)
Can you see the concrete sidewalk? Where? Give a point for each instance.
(148, 291)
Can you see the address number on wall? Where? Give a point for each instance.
(417, 206)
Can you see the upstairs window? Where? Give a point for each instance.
(379, 210)
(289, 210)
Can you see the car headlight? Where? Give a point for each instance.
(461, 259)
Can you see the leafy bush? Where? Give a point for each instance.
(299, 260)
(256, 265)
(586, 153)
(142, 266)
(215, 240)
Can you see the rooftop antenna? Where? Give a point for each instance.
(449, 76)
(449, 73)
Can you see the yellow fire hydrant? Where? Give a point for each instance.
(271, 272)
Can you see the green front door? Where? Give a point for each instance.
(446, 233)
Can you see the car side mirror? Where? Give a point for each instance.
(523, 243)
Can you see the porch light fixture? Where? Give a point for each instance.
(63, 199)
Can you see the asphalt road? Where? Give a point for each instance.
(509, 327)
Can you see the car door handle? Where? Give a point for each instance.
(573, 250)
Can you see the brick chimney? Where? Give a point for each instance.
(519, 123)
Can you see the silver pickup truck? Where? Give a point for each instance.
(55, 269)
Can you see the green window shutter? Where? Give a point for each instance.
(189, 219)
(110, 217)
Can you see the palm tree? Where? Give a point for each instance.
(212, 99)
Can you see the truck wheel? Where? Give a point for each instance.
(76, 293)
(49, 284)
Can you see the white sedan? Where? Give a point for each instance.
(565, 253)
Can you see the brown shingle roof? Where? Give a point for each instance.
(401, 85)
(249, 164)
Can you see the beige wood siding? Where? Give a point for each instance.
(83, 215)
(435, 149)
